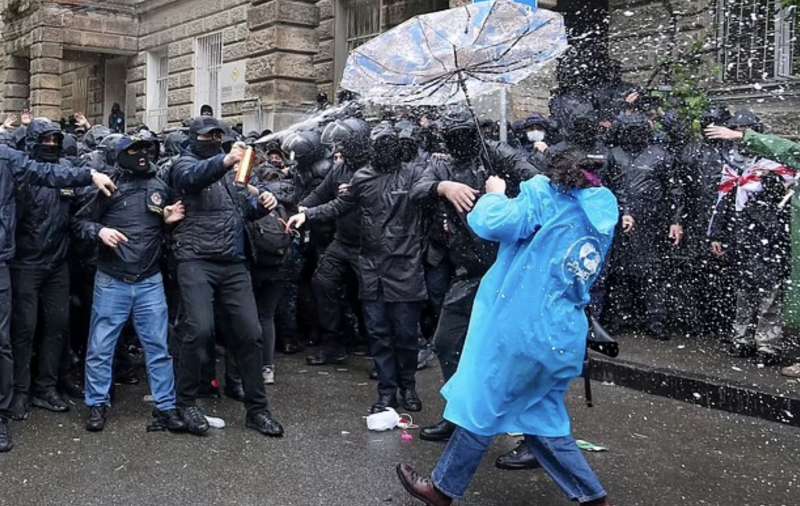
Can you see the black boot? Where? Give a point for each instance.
(97, 419)
(6, 444)
(324, 357)
(410, 400)
(384, 401)
(51, 401)
(265, 424)
(20, 408)
(195, 420)
(439, 432)
(169, 420)
(518, 458)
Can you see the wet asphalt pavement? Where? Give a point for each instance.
(661, 452)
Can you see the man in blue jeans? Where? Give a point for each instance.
(527, 333)
(129, 224)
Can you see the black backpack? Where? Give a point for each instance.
(270, 239)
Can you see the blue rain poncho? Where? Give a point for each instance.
(528, 330)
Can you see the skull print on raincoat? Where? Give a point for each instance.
(528, 330)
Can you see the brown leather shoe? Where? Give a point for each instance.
(421, 488)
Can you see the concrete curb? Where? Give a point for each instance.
(699, 389)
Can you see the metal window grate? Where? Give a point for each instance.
(157, 90)
(209, 64)
(756, 40)
(363, 22)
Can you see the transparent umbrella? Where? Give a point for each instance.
(456, 54)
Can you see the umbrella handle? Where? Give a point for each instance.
(484, 151)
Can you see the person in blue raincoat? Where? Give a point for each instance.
(528, 330)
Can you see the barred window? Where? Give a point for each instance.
(757, 40)
(157, 89)
(363, 22)
(209, 62)
(358, 21)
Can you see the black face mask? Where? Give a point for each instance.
(408, 150)
(137, 163)
(635, 137)
(584, 134)
(46, 153)
(206, 149)
(463, 143)
(386, 155)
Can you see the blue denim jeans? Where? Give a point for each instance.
(560, 457)
(114, 302)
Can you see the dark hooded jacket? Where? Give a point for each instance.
(390, 255)
(16, 169)
(651, 191)
(347, 225)
(757, 237)
(448, 232)
(43, 214)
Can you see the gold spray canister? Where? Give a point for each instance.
(245, 170)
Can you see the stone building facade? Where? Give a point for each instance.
(263, 62)
(749, 50)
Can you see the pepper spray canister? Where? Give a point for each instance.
(245, 170)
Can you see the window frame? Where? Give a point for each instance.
(778, 49)
(204, 74)
(157, 82)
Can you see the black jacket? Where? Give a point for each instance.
(652, 193)
(306, 178)
(758, 237)
(469, 255)
(135, 210)
(347, 225)
(390, 259)
(652, 189)
(16, 169)
(699, 166)
(216, 211)
(43, 225)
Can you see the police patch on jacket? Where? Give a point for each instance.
(155, 200)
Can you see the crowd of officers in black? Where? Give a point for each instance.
(366, 242)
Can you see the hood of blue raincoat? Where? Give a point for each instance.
(600, 207)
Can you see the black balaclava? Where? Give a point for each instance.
(46, 153)
(462, 142)
(409, 140)
(635, 132)
(460, 134)
(585, 131)
(35, 134)
(206, 149)
(385, 147)
(408, 149)
(137, 164)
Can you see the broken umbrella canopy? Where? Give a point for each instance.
(455, 54)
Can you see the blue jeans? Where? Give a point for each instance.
(114, 302)
(560, 457)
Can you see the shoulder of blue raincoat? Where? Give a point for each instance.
(600, 207)
(499, 218)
